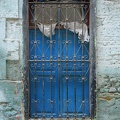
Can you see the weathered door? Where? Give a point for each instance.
(59, 75)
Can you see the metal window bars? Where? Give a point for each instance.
(55, 11)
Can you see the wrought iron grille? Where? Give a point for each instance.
(59, 62)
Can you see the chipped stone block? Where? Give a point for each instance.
(14, 29)
(102, 80)
(2, 28)
(12, 91)
(108, 108)
(108, 83)
(2, 60)
(118, 89)
(9, 51)
(11, 99)
(2, 37)
(104, 90)
(112, 90)
(9, 8)
(2, 69)
(2, 97)
(13, 70)
(12, 48)
(113, 80)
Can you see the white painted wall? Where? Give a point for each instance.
(108, 59)
(11, 47)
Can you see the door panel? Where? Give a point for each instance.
(57, 70)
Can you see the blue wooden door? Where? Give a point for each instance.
(59, 75)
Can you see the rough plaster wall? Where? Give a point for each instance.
(108, 59)
(11, 61)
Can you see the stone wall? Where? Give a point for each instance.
(108, 59)
(12, 44)
(11, 60)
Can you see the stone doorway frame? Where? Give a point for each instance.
(25, 12)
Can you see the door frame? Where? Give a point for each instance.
(92, 77)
